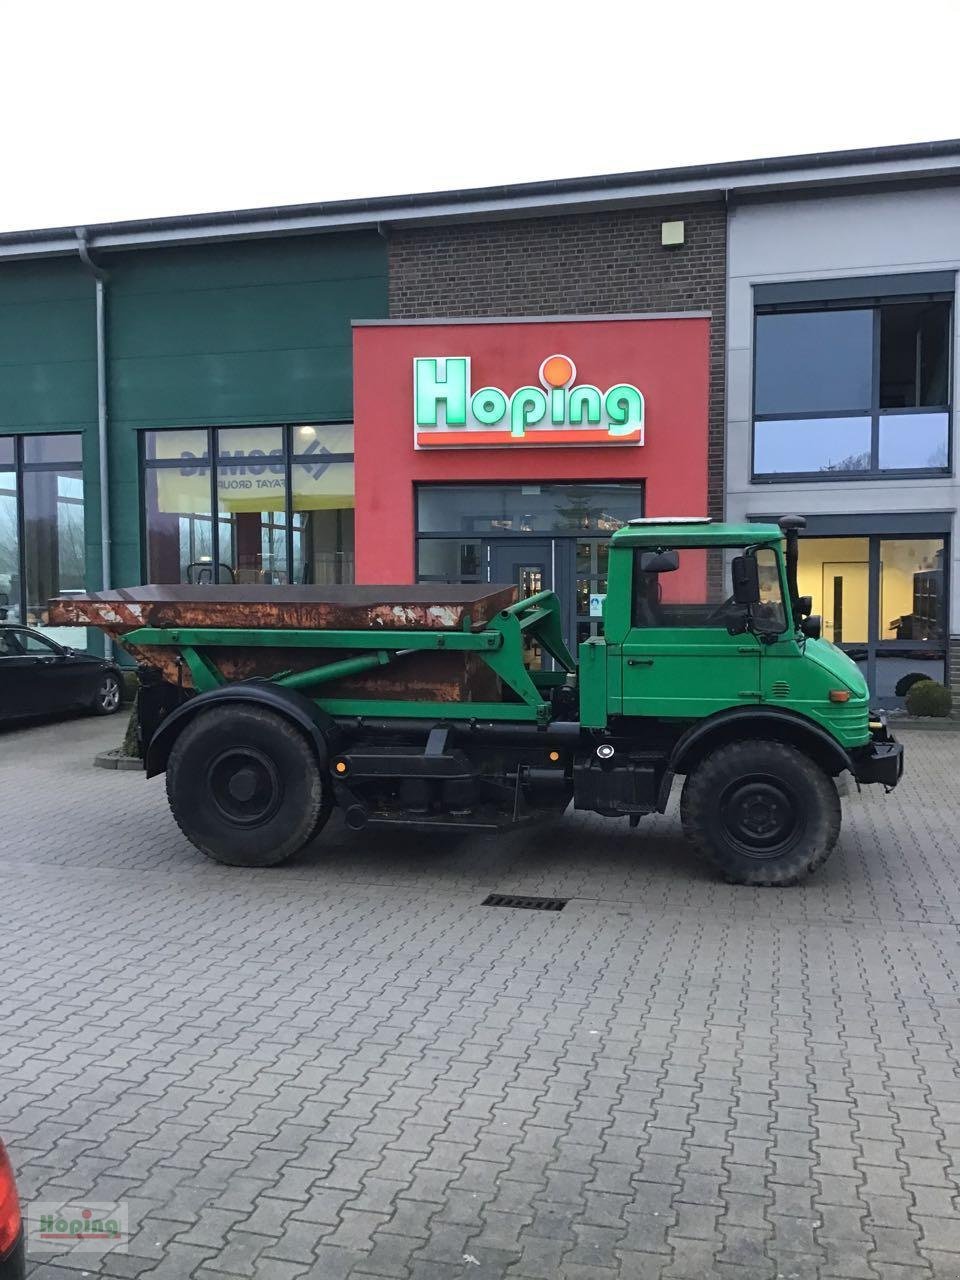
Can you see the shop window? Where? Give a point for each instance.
(911, 590)
(41, 494)
(858, 390)
(883, 600)
(275, 505)
(449, 560)
(526, 508)
(835, 573)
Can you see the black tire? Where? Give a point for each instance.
(244, 786)
(762, 813)
(109, 696)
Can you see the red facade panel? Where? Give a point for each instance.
(667, 359)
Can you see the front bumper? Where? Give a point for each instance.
(881, 760)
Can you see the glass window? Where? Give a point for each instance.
(330, 438)
(528, 508)
(913, 440)
(252, 504)
(323, 502)
(6, 451)
(911, 589)
(814, 362)
(683, 597)
(9, 544)
(833, 390)
(53, 522)
(770, 608)
(186, 447)
(179, 526)
(52, 449)
(448, 560)
(914, 354)
(259, 520)
(30, 642)
(796, 446)
(835, 572)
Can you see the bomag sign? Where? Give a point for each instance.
(448, 413)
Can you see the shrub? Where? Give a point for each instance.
(928, 698)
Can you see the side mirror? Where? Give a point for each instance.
(746, 580)
(659, 561)
(810, 626)
(805, 606)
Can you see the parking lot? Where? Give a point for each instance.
(350, 1067)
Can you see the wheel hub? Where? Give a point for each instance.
(760, 816)
(244, 786)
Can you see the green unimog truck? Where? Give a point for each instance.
(459, 708)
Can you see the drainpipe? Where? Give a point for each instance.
(100, 277)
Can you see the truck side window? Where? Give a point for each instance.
(770, 608)
(689, 596)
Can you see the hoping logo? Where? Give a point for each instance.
(448, 412)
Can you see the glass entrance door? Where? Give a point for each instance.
(528, 565)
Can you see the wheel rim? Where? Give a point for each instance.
(244, 786)
(760, 816)
(110, 694)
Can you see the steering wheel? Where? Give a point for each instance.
(719, 611)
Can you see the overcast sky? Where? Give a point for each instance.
(142, 108)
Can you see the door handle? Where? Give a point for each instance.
(639, 662)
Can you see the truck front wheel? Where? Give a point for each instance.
(762, 813)
(244, 786)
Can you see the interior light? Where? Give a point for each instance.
(307, 433)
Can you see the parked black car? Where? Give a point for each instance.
(12, 1259)
(39, 677)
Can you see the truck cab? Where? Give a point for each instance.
(699, 620)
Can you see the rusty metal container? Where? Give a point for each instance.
(442, 677)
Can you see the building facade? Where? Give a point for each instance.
(234, 398)
(842, 367)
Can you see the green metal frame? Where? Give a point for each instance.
(500, 644)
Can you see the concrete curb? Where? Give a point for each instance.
(116, 760)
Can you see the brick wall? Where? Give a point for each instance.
(580, 264)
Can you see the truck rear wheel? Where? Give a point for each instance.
(762, 813)
(244, 786)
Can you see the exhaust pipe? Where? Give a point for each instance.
(791, 526)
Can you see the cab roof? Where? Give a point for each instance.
(693, 531)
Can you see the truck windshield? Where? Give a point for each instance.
(699, 593)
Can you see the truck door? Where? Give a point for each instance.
(679, 659)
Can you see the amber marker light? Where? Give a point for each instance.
(554, 756)
(340, 766)
(839, 695)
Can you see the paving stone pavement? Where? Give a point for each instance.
(348, 1067)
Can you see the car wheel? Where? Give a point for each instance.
(108, 695)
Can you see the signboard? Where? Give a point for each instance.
(596, 604)
(448, 413)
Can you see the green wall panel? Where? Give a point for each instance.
(251, 332)
(257, 331)
(48, 372)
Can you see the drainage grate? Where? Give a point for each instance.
(528, 904)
